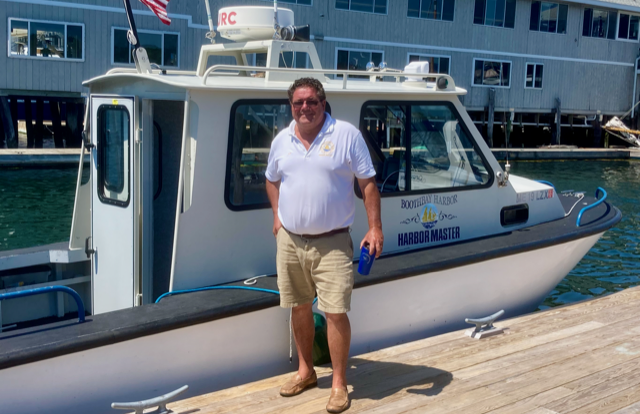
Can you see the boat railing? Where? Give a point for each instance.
(48, 289)
(597, 203)
(153, 71)
(446, 85)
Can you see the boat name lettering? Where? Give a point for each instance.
(429, 198)
(534, 196)
(224, 18)
(428, 236)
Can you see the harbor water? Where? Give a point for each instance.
(36, 207)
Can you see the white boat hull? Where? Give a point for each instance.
(240, 349)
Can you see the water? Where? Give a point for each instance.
(36, 208)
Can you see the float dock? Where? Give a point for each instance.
(580, 358)
(53, 157)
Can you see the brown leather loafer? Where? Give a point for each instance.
(339, 400)
(296, 385)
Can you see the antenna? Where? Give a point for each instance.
(211, 33)
(276, 25)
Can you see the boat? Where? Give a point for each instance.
(171, 251)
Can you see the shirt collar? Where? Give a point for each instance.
(327, 127)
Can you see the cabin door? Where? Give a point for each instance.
(113, 203)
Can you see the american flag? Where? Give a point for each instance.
(159, 7)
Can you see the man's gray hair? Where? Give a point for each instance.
(307, 83)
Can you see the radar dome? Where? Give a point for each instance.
(245, 23)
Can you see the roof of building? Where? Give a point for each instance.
(628, 5)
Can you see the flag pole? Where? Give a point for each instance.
(140, 56)
(132, 35)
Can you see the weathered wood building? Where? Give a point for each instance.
(535, 64)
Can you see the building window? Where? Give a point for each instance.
(40, 39)
(352, 59)
(498, 13)
(628, 26)
(548, 17)
(491, 73)
(420, 147)
(368, 6)
(533, 77)
(162, 48)
(255, 123)
(437, 64)
(431, 9)
(599, 23)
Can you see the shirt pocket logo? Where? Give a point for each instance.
(327, 149)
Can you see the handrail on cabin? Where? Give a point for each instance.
(394, 73)
(48, 289)
(597, 203)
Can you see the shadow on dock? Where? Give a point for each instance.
(364, 376)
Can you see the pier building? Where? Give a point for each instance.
(549, 72)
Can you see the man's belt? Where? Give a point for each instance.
(317, 236)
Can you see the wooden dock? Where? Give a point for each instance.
(582, 358)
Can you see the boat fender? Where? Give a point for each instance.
(320, 352)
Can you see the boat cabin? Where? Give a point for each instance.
(177, 196)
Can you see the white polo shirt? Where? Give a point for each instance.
(316, 189)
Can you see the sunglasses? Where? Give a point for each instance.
(311, 103)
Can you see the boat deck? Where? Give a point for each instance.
(581, 358)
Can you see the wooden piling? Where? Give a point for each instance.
(39, 126)
(492, 103)
(10, 133)
(13, 108)
(56, 123)
(28, 119)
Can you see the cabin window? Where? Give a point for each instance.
(498, 13)
(162, 48)
(253, 126)
(113, 154)
(495, 74)
(548, 17)
(356, 59)
(367, 6)
(437, 64)
(421, 147)
(628, 26)
(533, 77)
(431, 9)
(50, 40)
(599, 23)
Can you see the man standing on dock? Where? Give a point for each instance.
(312, 165)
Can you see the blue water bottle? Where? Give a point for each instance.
(366, 261)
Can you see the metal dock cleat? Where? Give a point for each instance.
(484, 326)
(160, 402)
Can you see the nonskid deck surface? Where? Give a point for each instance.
(35, 344)
(581, 358)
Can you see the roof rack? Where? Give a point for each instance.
(442, 82)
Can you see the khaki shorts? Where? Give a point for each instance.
(323, 265)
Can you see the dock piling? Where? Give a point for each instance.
(492, 104)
